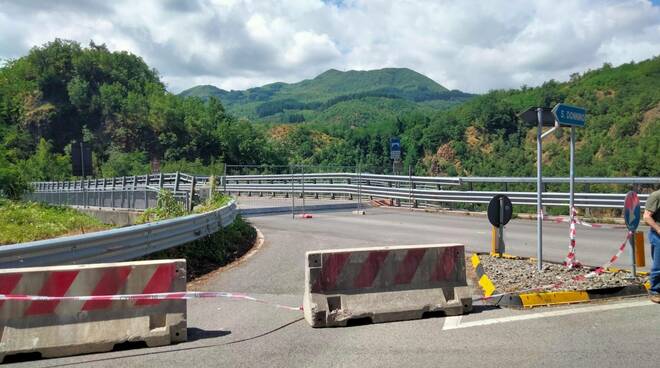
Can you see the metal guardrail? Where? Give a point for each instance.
(413, 189)
(117, 244)
(125, 193)
(420, 190)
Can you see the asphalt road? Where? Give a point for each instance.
(236, 333)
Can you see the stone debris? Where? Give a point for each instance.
(511, 275)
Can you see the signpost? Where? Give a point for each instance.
(500, 211)
(81, 159)
(572, 116)
(632, 215)
(561, 114)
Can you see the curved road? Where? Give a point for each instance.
(237, 333)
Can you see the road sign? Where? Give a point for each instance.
(631, 211)
(395, 148)
(530, 116)
(495, 215)
(570, 115)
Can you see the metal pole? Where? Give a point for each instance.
(500, 237)
(571, 198)
(539, 193)
(410, 184)
(293, 194)
(302, 171)
(224, 179)
(359, 170)
(82, 159)
(632, 247)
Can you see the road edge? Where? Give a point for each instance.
(201, 281)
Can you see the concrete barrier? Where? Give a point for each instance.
(69, 327)
(384, 284)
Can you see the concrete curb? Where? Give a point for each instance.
(548, 298)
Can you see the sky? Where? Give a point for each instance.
(474, 46)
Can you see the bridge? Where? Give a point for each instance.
(251, 334)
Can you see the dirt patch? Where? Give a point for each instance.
(511, 275)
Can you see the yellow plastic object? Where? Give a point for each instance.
(553, 298)
(640, 259)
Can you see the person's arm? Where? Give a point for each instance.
(648, 217)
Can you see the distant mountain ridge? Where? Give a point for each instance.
(302, 101)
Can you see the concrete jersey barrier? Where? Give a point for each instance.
(384, 283)
(69, 327)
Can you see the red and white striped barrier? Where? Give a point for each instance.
(141, 297)
(384, 283)
(82, 309)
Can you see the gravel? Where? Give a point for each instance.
(511, 275)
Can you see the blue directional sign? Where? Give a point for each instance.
(395, 148)
(570, 115)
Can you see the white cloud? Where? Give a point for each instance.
(469, 45)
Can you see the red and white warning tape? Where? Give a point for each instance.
(598, 271)
(613, 259)
(571, 261)
(154, 296)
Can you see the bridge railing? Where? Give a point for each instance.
(139, 192)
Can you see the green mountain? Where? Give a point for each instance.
(308, 99)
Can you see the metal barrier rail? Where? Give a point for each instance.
(586, 200)
(128, 198)
(117, 244)
(400, 187)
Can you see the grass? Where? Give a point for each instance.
(27, 221)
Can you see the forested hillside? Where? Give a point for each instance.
(311, 99)
(62, 92)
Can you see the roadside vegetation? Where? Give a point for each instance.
(63, 92)
(206, 254)
(27, 221)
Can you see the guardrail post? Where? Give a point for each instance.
(123, 191)
(146, 191)
(293, 194)
(224, 179)
(112, 194)
(132, 204)
(316, 194)
(302, 179)
(350, 194)
(85, 186)
(332, 194)
(97, 203)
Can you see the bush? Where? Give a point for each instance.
(216, 250)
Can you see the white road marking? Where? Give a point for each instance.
(452, 323)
